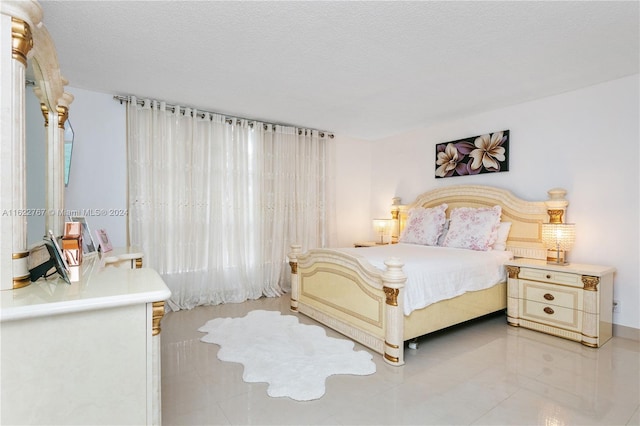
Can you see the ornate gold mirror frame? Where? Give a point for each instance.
(25, 42)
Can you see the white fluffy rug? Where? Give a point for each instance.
(295, 359)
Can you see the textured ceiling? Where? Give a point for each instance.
(361, 69)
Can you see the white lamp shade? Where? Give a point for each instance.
(559, 236)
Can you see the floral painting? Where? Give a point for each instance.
(471, 156)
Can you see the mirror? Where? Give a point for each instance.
(30, 54)
(68, 149)
(48, 87)
(36, 162)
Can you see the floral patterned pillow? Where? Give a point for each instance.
(424, 226)
(473, 228)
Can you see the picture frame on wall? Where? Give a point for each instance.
(103, 241)
(488, 153)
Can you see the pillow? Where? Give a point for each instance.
(473, 228)
(503, 234)
(443, 235)
(424, 226)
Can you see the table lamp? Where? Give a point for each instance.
(382, 226)
(559, 237)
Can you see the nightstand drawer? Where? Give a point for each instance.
(561, 296)
(555, 316)
(547, 276)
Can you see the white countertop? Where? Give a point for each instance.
(99, 287)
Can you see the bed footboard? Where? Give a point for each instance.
(352, 297)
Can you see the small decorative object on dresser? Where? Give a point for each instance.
(574, 302)
(103, 241)
(88, 244)
(56, 253)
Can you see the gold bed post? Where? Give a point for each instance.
(399, 216)
(393, 281)
(293, 262)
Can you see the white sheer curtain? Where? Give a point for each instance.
(215, 206)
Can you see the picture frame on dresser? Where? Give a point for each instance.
(88, 243)
(103, 240)
(57, 256)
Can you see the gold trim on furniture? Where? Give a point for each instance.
(513, 271)
(391, 345)
(63, 115)
(590, 283)
(20, 282)
(21, 40)
(294, 267)
(393, 359)
(45, 113)
(392, 295)
(20, 255)
(555, 216)
(158, 313)
(138, 263)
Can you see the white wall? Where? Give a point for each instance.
(586, 141)
(353, 195)
(98, 176)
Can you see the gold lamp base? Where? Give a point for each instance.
(559, 258)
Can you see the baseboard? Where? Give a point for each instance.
(626, 332)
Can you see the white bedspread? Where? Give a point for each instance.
(438, 273)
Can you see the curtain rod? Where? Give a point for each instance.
(228, 119)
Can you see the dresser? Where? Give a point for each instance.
(573, 301)
(86, 352)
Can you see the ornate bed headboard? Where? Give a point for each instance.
(525, 239)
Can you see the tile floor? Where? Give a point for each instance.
(481, 373)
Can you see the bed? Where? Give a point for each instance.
(365, 300)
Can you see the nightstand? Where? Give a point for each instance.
(573, 301)
(365, 244)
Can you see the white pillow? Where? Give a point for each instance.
(503, 234)
(424, 226)
(473, 228)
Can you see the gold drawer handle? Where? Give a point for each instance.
(548, 310)
(548, 296)
(548, 276)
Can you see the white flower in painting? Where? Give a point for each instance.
(447, 160)
(488, 152)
